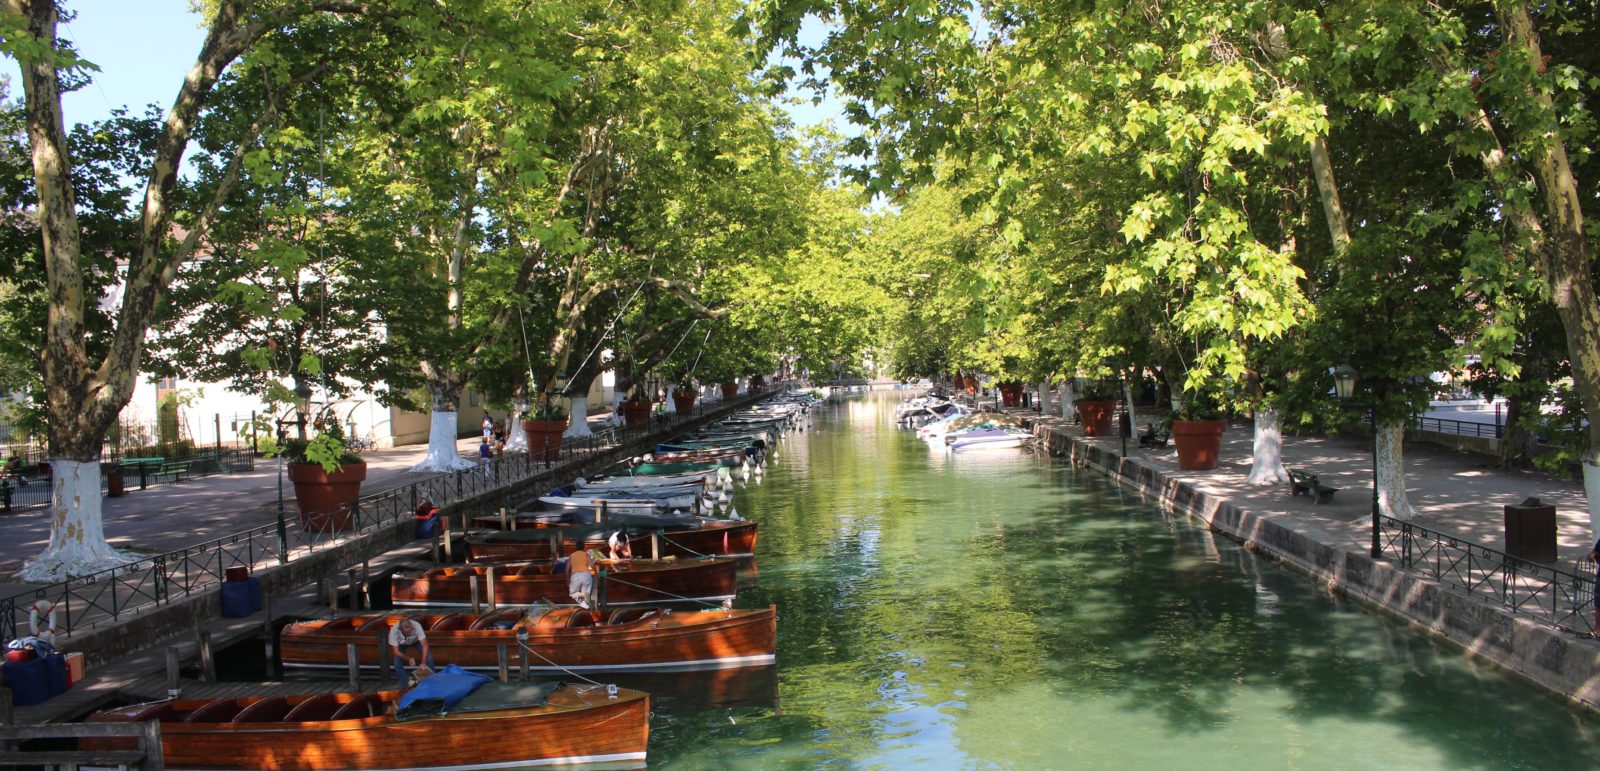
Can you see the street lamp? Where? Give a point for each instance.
(1344, 385)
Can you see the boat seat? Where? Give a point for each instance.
(341, 623)
(363, 706)
(536, 569)
(452, 622)
(374, 624)
(622, 617)
(504, 619)
(268, 710)
(580, 618)
(316, 708)
(219, 711)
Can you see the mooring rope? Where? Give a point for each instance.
(697, 600)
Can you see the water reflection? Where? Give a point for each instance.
(1004, 610)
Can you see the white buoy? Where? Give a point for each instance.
(733, 514)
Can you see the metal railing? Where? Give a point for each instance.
(110, 595)
(1457, 427)
(1552, 595)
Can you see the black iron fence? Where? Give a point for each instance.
(30, 488)
(110, 595)
(1556, 596)
(1457, 427)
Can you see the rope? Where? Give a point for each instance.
(546, 660)
(681, 546)
(696, 365)
(607, 333)
(680, 341)
(697, 600)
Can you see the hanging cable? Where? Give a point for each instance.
(604, 335)
(681, 338)
(696, 365)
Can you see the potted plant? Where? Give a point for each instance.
(1197, 433)
(327, 480)
(636, 410)
(1011, 393)
(544, 427)
(683, 397)
(1096, 408)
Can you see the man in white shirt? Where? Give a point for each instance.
(406, 635)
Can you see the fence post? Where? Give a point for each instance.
(172, 672)
(153, 757)
(353, 659)
(208, 665)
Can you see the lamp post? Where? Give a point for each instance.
(1344, 384)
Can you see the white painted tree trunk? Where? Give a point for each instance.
(616, 410)
(1392, 499)
(579, 424)
(1591, 489)
(1069, 394)
(77, 532)
(1044, 397)
(442, 455)
(672, 404)
(1266, 468)
(516, 438)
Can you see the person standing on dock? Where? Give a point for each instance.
(1594, 556)
(408, 635)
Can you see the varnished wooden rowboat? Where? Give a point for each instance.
(707, 537)
(500, 725)
(633, 582)
(565, 639)
(734, 457)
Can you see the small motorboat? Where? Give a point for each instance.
(558, 640)
(496, 725)
(648, 536)
(631, 582)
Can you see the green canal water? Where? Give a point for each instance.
(1004, 610)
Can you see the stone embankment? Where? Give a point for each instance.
(1454, 493)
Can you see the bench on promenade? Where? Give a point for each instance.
(177, 469)
(1306, 483)
(1155, 439)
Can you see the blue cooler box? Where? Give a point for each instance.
(241, 598)
(28, 683)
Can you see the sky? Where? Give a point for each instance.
(144, 48)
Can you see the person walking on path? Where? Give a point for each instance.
(404, 636)
(485, 456)
(488, 427)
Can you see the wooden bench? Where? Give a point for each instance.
(1306, 483)
(178, 469)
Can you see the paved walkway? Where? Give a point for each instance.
(1459, 493)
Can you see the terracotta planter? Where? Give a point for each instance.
(730, 390)
(959, 383)
(1095, 416)
(683, 401)
(1011, 394)
(635, 413)
(544, 438)
(1199, 443)
(327, 499)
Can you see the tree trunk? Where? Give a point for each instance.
(77, 536)
(1127, 406)
(516, 438)
(1044, 397)
(442, 429)
(1069, 394)
(1266, 467)
(579, 424)
(1391, 471)
(1518, 444)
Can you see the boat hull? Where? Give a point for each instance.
(643, 582)
(576, 726)
(720, 538)
(655, 640)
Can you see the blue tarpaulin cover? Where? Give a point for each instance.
(449, 685)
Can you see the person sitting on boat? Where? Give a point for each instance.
(408, 635)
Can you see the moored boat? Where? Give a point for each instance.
(563, 639)
(647, 537)
(634, 582)
(498, 725)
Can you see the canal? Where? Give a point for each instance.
(1005, 610)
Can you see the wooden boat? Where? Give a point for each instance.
(635, 582)
(500, 725)
(564, 639)
(674, 537)
(657, 469)
(712, 478)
